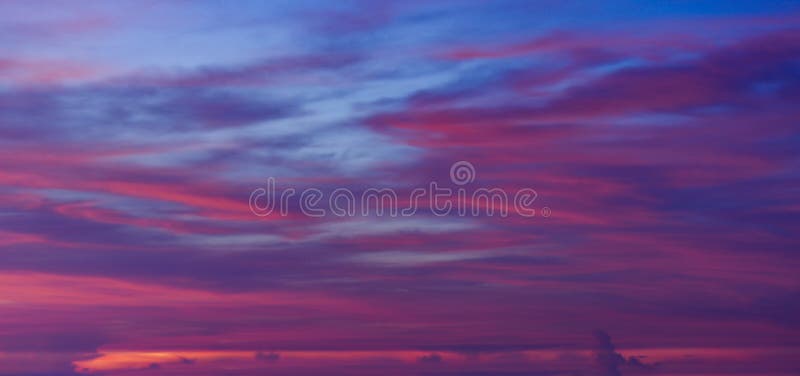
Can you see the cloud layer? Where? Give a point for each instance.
(663, 137)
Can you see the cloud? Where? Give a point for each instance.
(268, 357)
(430, 358)
(103, 111)
(608, 361)
(668, 157)
(606, 357)
(311, 69)
(37, 73)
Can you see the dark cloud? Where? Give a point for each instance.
(281, 70)
(72, 114)
(78, 341)
(430, 358)
(268, 357)
(608, 361)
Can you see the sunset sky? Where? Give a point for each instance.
(662, 137)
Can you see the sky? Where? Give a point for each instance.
(661, 139)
